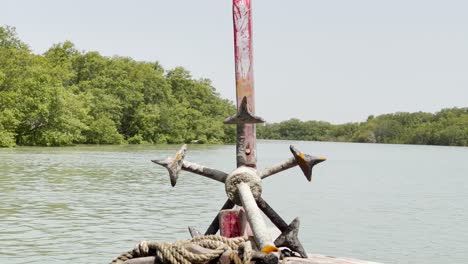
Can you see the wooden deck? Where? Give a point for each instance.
(313, 259)
(321, 259)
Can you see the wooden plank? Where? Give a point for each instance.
(145, 260)
(313, 259)
(321, 259)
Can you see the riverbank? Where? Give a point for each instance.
(448, 127)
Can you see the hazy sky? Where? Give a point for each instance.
(329, 60)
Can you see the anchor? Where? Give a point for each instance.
(244, 184)
(243, 187)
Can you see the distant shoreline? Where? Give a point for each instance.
(68, 97)
(448, 127)
(175, 145)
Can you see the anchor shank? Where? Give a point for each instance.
(278, 168)
(214, 174)
(259, 228)
(272, 215)
(246, 133)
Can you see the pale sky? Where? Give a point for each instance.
(336, 61)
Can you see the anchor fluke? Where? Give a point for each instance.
(289, 239)
(244, 116)
(306, 162)
(174, 165)
(194, 232)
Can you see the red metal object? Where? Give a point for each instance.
(233, 223)
(246, 133)
(229, 223)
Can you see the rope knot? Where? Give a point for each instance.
(180, 253)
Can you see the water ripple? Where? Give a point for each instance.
(87, 204)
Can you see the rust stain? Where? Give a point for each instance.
(302, 160)
(269, 249)
(244, 88)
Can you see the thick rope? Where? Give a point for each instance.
(178, 253)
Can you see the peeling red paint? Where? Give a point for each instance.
(244, 79)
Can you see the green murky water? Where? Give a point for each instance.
(87, 204)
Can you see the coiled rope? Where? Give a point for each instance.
(178, 252)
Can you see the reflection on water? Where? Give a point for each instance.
(87, 204)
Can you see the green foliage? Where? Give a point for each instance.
(137, 139)
(66, 97)
(8, 122)
(448, 127)
(69, 97)
(10, 40)
(104, 131)
(7, 139)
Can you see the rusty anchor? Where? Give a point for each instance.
(239, 184)
(243, 185)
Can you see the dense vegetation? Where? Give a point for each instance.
(66, 97)
(448, 127)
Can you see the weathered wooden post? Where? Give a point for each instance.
(246, 133)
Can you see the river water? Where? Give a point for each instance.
(87, 204)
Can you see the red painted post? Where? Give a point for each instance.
(246, 133)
